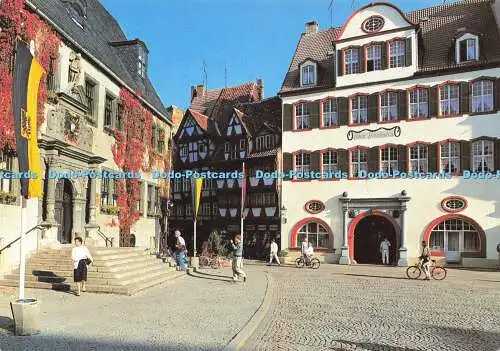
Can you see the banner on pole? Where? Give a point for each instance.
(27, 75)
(196, 185)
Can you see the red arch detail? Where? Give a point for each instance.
(435, 222)
(295, 230)
(339, 37)
(358, 218)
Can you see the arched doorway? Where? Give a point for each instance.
(63, 209)
(365, 235)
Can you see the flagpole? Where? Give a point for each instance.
(194, 244)
(243, 186)
(22, 262)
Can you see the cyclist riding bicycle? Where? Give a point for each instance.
(309, 253)
(304, 249)
(425, 258)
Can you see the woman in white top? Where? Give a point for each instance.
(81, 258)
(309, 252)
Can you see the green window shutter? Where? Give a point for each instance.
(373, 159)
(496, 91)
(340, 63)
(343, 111)
(433, 157)
(361, 59)
(314, 114)
(465, 155)
(287, 163)
(287, 117)
(383, 55)
(343, 160)
(373, 107)
(465, 105)
(402, 158)
(496, 154)
(402, 105)
(408, 52)
(315, 161)
(433, 101)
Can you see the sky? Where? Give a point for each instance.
(248, 39)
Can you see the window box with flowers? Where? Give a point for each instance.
(7, 198)
(110, 210)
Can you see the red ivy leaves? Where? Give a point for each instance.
(14, 21)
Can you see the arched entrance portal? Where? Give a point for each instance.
(369, 232)
(63, 208)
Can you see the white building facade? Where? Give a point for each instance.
(402, 111)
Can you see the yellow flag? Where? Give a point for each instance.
(196, 185)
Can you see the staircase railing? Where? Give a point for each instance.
(41, 226)
(108, 241)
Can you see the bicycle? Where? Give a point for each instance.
(212, 261)
(437, 272)
(313, 263)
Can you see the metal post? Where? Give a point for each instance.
(194, 244)
(22, 262)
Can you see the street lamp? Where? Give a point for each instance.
(283, 210)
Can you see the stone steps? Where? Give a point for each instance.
(114, 270)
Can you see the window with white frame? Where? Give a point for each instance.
(141, 62)
(450, 157)
(180, 211)
(6, 167)
(227, 147)
(308, 75)
(189, 210)
(269, 141)
(215, 209)
(186, 185)
(449, 99)
(330, 117)
(205, 209)
(419, 158)
(482, 156)
(482, 96)
(373, 58)
(193, 152)
(302, 162)
(234, 152)
(269, 199)
(456, 235)
(389, 159)
(177, 185)
(419, 103)
(467, 49)
(397, 51)
(351, 59)
(389, 106)
(359, 109)
(315, 233)
(302, 116)
(243, 144)
(329, 161)
(184, 150)
(359, 162)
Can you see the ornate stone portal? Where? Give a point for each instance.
(353, 207)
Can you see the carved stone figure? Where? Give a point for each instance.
(74, 68)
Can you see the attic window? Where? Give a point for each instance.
(308, 74)
(467, 48)
(77, 9)
(141, 62)
(373, 24)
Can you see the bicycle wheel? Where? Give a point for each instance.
(315, 263)
(438, 273)
(299, 262)
(204, 262)
(413, 272)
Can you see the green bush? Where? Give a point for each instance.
(216, 245)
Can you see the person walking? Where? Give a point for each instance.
(180, 251)
(425, 257)
(81, 259)
(238, 259)
(274, 253)
(385, 245)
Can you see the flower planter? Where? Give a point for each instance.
(26, 315)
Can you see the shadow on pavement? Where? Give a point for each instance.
(369, 346)
(211, 275)
(6, 323)
(375, 276)
(50, 343)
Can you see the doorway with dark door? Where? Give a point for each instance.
(368, 234)
(63, 209)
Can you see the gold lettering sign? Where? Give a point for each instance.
(25, 125)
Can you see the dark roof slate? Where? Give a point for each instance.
(439, 26)
(100, 29)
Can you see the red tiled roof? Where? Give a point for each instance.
(439, 26)
(265, 153)
(200, 118)
(206, 101)
(260, 113)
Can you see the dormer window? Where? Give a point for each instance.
(308, 74)
(77, 9)
(467, 48)
(141, 62)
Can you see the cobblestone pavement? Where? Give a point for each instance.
(189, 313)
(376, 308)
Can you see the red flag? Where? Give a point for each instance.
(243, 190)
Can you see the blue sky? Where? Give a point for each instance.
(252, 38)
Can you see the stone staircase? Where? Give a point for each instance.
(123, 271)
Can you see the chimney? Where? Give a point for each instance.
(197, 91)
(260, 89)
(311, 27)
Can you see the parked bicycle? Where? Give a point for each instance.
(313, 263)
(212, 261)
(437, 271)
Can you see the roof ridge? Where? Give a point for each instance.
(446, 6)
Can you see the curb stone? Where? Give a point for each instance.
(239, 340)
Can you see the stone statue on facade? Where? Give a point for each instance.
(74, 68)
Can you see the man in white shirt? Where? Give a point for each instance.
(304, 248)
(181, 250)
(385, 245)
(274, 253)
